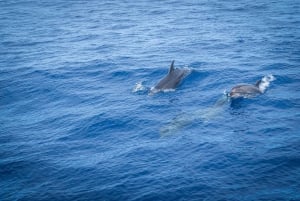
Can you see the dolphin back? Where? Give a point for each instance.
(172, 79)
(248, 90)
(244, 90)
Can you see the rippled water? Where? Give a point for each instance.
(74, 127)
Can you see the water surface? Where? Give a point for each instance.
(71, 128)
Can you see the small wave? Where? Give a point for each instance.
(265, 82)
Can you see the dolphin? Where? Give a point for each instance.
(250, 90)
(245, 90)
(172, 79)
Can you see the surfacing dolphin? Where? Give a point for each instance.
(172, 79)
(250, 90)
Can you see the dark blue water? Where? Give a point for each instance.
(71, 127)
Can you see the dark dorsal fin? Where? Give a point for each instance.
(257, 83)
(171, 67)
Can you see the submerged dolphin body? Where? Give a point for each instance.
(249, 90)
(172, 79)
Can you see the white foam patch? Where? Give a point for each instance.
(168, 90)
(265, 82)
(139, 87)
(153, 90)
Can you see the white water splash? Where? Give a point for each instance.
(139, 87)
(265, 82)
(168, 90)
(153, 90)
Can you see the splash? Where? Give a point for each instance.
(265, 82)
(153, 90)
(139, 87)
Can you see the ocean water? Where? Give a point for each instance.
(77, 121)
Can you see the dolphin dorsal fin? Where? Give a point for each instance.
(171, 67)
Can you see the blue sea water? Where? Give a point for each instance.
(73, 127)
